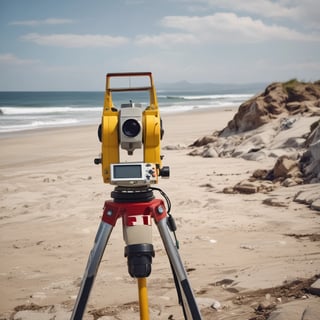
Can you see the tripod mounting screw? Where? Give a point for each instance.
(160, 209)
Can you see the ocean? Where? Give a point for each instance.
(34, 110)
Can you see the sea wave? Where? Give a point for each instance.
(22, 110)
(189, 107)
(210, 97)
(38, 124)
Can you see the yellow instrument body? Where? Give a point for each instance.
(110, 123)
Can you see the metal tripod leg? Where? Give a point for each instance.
(192, 309)
(95, 257)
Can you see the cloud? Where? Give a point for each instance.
(306, 11)
(228, 27)
(9, 58)
(166, 39)
(265, 8)
(75, 40)
(49, 21)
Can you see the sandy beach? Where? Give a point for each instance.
(52, 197)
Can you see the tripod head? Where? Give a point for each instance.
(129, 128)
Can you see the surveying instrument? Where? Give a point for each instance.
(131, 128)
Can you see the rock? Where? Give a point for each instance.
(275, 202)
(251, 186)
(208, 302)
(289, 182)
(309, 196)
(310, 161)
(315, 150)
(311, 314)
(254, 156)
(254, 113)
(247, 246)
(175, 147)
(216, 305)
(210, 153)
(246, 187)
(294, 142)
(253, 144)
(315, 288)
(315, 205)
(308, 309)
(260, 174)
(290, 153)
(314, 134)
(300, 91)
(304, 107)
(286, 168)
(251, 115)
(287, 123)
(204, 141)
(266, 186)
(195, 152)
(229, 190)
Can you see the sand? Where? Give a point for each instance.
(52, 197)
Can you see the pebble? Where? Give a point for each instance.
(247, 246)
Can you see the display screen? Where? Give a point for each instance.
(127, 171)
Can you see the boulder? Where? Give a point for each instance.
(310, 161)
(251, 115)
(286, 168)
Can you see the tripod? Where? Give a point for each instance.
(137, 207)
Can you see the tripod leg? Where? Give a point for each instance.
(95, 257)
(178, 270)
(178, 288)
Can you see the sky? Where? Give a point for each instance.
(72, 44)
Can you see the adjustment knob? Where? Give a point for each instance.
(165, 172)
